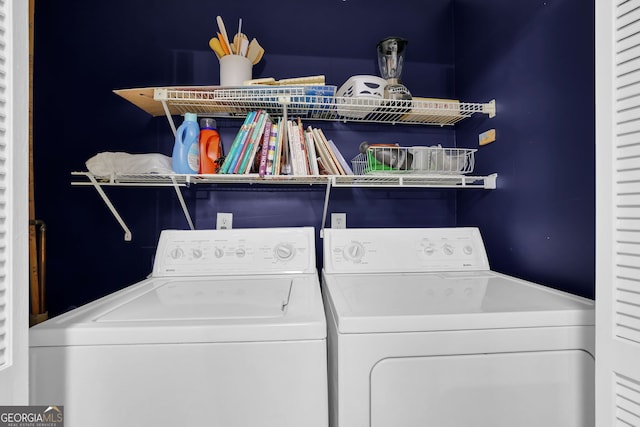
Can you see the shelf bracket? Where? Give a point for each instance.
(490, 181)
(182, 203)
(490, 108)
(114, 212)
(326, 205)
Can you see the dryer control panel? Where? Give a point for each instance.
(369, 250)
(235, 252)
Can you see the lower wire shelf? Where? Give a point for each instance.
(373, 180)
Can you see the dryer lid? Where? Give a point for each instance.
(414, 302)
(188, 309)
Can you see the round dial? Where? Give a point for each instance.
(197, 253)
(447, 249)
(426, 247)
(241, 252)
(429, 250)
(354, 251)
(176, 253)
(218, 252)
(284, 251)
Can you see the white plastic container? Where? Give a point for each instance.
(360, 95)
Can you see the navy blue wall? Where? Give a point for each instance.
(84, 50)
(539, 65)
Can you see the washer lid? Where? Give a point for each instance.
(205, 299)
(448, 301)
(186, 310)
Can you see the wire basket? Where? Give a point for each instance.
(417, 160)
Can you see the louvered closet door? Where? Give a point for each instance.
(14, 110)
(618, 213)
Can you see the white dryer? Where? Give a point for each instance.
(422, 333)
(228, 331)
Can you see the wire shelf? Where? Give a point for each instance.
(416, 181)
(177, 181)
(318, 103)
(169, 180)
(372, 180)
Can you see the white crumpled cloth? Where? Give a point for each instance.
(109, 163)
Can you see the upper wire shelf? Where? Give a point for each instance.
(316, 103)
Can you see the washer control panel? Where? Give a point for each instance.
(404, 250)
(235, 252)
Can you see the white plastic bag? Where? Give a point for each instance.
(108, 163)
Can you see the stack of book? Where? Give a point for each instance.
(267, 147)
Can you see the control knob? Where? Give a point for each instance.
(284, 251)
(354, 252)
(426, 247)
(176, 253)
(448, 249)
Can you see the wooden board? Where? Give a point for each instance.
(143, 98)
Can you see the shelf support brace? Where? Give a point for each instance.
(182, 203)
(169, 118)
(160, 94)
(114, 212)
(326, 205)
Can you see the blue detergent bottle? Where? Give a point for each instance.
(186, 152)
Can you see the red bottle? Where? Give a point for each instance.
(210, 146)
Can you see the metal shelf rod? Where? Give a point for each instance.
(326, 205)
(114, 212)
(182, 203)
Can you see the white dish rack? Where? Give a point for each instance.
(417, 160)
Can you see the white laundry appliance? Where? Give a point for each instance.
(422, 333)
(228, 331)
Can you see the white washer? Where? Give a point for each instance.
(228, 331)
(422, 333)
